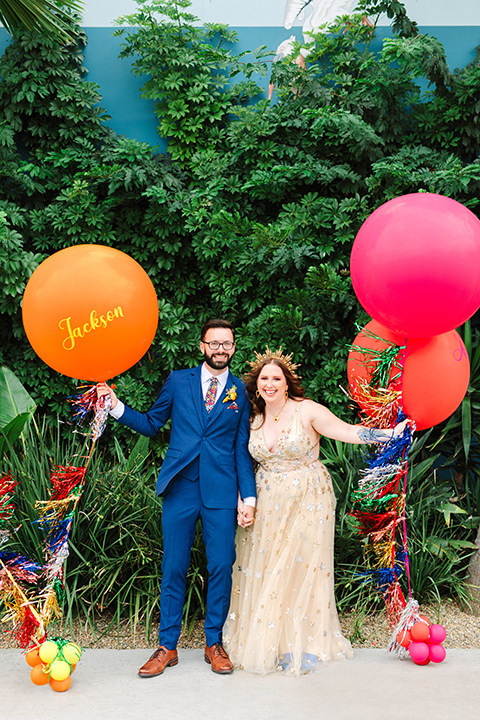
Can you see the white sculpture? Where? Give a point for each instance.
(322, 11)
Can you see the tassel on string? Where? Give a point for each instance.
(55, 517)
(83, 403)
(394, 603)
(99, 422)
(65, 479)
(51, 608)
(27, 628)
(375, 525)
(409, 616)
(380, 555)
(7, 507)
(381, 362)
(18, 567)
(380, 405)
(88, 402)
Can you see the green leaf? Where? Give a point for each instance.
(466, 425)
(14, 399)
(12, 431)
(449, 509)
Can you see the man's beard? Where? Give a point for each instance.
(217, 364)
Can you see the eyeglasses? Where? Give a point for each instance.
(214, 345)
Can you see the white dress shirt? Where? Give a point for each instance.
(206, 376)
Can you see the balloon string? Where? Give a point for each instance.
(404, 522)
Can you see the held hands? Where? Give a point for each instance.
(103, 389)
(245, 514)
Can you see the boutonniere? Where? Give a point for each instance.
(230, 397)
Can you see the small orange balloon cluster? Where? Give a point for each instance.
(53, 663)
(423, 641)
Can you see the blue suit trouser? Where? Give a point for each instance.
(182, 507)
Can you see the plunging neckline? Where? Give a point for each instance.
(272, 452)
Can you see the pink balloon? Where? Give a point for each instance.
(437, 634)
(437, 653)
(415, 264)
(419, 651)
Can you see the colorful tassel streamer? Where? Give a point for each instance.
(29, 615)
(379, 498)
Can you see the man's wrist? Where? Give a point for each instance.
(118, 410)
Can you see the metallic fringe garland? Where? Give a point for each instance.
(379, 498)
(31, 613)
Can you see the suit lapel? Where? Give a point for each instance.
(197, 395)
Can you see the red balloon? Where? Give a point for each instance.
(436, 373)
(415, 264)
(425, 662)
(90, 312)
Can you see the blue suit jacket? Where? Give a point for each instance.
(211, 446)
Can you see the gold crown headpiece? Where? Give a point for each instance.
(275, 355)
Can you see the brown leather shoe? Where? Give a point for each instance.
(218, 659)
(157, 663)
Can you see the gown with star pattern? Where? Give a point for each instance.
(282, 613)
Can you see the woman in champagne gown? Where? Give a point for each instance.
(282, 614)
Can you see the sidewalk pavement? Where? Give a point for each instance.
(374, 684)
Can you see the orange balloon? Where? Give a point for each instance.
(420, 631)
(90, 312)
(404, 638)
(32, 657)
(38, 675)
(60, 685)
(361, 363)
(435, 378)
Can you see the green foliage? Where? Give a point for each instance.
(252, 216)
(16, 409)
(115, 558)
(40, 15)
(440, 528)
(189, 72)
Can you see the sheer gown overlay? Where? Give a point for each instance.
(282, 614)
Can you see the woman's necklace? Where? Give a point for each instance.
(275, 417)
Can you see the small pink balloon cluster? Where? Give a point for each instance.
(424, 641)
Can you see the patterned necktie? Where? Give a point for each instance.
(211, 394)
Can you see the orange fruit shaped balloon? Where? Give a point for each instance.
(32, 657)
(38, 676)
(90, 312)
(60, 685)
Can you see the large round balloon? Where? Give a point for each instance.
(434, 377)
(436, 373)
(90, 312)
(365, 358)
(415, 264)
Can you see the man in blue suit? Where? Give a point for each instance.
(206, 473)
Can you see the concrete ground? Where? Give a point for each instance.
(372, 685)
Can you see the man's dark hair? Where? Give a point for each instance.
(216, 323)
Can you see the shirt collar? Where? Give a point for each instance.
(206, 376)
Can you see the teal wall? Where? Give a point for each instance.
(134, 117)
